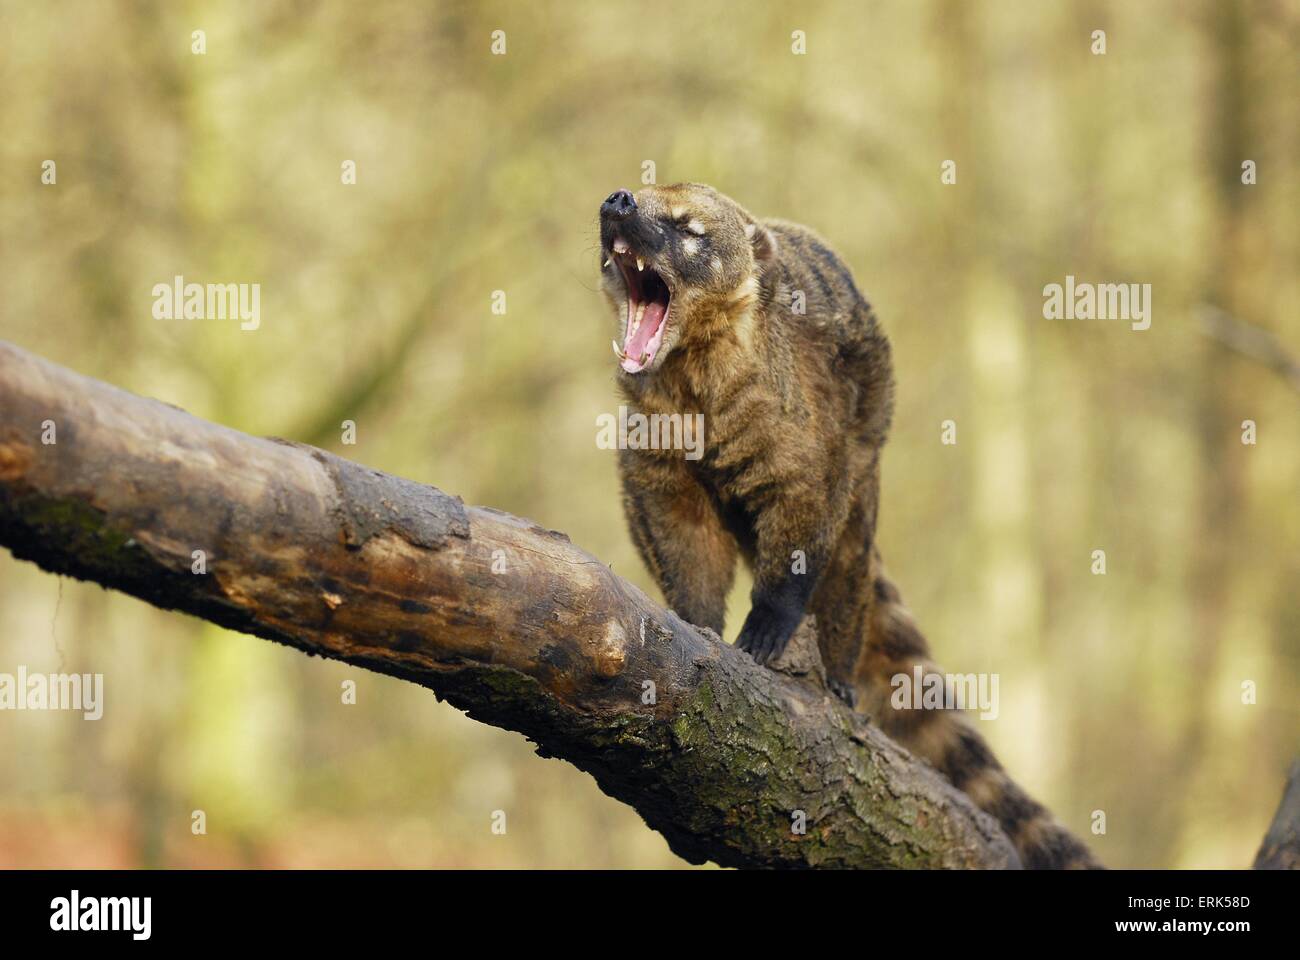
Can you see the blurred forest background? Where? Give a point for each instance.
(478, 173)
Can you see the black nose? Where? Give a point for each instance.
(620, 205)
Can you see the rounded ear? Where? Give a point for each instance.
(763, 240)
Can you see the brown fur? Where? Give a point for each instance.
(797, 406)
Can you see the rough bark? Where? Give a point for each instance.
(504, 619)
(1281, 847)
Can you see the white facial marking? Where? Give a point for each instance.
(692, 247)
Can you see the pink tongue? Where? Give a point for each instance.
(650, 320)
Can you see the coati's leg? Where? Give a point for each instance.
(844, 604)
(796, 528)
(844, 599)
(679, 535)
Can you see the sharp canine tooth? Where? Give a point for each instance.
(617, 350)
(605, 264)
(640, 264)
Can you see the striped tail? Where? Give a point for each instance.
(949, 742)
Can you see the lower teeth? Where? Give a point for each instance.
(622, 354)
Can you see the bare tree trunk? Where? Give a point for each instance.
(1281, 847)
(508, 621)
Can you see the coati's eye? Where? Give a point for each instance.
(684, 223)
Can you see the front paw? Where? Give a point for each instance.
(767, 632)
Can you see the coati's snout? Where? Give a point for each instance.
(676, 261)
(619, 205)
(631, 244)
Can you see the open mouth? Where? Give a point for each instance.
(648, 299)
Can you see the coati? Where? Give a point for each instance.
(757, 325)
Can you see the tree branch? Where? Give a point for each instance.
(1281, 847)
(506, 620)
(1249, 341)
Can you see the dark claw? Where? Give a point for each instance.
(766, 633)
(845, 691)
(775, 645)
